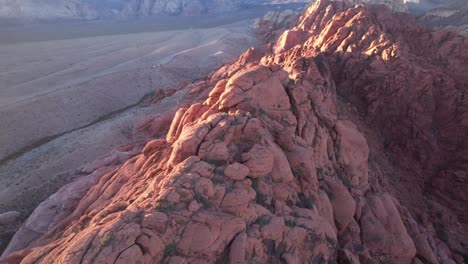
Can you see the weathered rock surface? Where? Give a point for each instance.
(300, 155)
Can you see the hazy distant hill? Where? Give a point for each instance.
(122, 9)
(94, 9)
(449, 15)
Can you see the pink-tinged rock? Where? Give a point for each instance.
(178, 260)
(281, 169)
(153, 245)
(153, 146)
(204, 187)
(188, 142)
(289, 39)
(254, 130)
(155, 220)
(259, 160)
(217, 152)
(349, 257)
(248, 77)
(283, 191)
(216, 92)
(132, 254)
(220, 129)
(270, 95)
(209, 234)
(194, 206)
(237, 251)
(171, 195)
(353, 153)
(230, 98)
(203, 169)
(325, 207)
(172, 134)
(197, 237)
(236, 171)
(343, 203)
(383, 231)
(302, 163)
(46, 215)
(238, 197)
(274, 229)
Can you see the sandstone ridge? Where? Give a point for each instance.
(292, 156)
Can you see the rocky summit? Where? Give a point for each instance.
(344, 142)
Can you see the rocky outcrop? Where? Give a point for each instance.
(420, 107)
(271, 163)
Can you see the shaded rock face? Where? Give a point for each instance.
(265, 168)
(411, 88)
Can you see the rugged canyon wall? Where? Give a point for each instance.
(344, 143)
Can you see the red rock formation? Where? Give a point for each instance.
(409, 83)
(272, 165)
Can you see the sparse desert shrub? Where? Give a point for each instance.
(202, 200)
(170, 250)
(290, 223)
(305, 202)
(107, 238)
(163, 207)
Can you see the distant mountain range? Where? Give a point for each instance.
(95, 9)
(442, 14)
(123, 9)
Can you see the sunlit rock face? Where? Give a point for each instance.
(341, 143)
